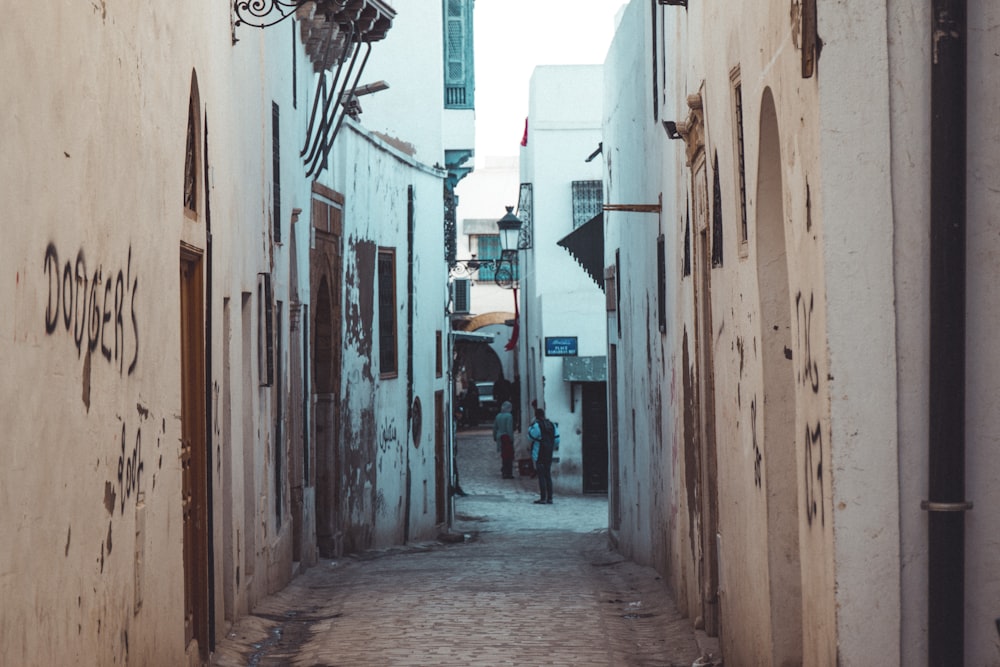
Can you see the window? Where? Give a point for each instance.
(460, 295)
(191, 161)
(279, 414)
(388, 364)
(459, 73)
(438, 356)
(588, 200)
(610, 291)
(618, 289)
(687, 244)
(661, 282)
(275, 172)
(738, 131)
(656, 75)
(716, 216)
(265, 330)
(488, 247)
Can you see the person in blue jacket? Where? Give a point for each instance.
(544, 440)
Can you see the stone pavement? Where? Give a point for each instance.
(523, 585)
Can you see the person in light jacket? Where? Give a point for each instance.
(503, 434)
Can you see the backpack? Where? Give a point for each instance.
(547, 441)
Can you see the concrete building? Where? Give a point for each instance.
(781, 384)
(562, 346)
(216, 297)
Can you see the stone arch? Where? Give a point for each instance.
(778, 405)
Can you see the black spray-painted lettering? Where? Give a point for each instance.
(87, 313)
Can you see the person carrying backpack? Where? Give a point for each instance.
(544, 440)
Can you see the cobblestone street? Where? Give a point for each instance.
(524, 584)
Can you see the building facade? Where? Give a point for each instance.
(775, 345)
(562, 351)
(218, 301)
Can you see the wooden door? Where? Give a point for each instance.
(440, 460)
(594, 405)
(325, 267)
(194, 469)
(709, 504)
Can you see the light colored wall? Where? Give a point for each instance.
(409, 59)
(909, 53)
(854, 229)
(95, 157)
(376, 427)
(561, 300)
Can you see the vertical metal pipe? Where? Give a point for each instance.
(946, 506)
(209, 465)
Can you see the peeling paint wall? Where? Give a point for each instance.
(390, 476)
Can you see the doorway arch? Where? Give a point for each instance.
(778, 405)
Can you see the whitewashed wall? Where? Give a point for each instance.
(374, 178)
(560, 299)
(94, 155)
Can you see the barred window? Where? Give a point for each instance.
(588, 200)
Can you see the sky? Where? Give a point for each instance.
(511, 38)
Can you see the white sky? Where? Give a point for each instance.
(511, 38)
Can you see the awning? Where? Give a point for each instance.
(472, 337)
(585, 369)
(586, 245)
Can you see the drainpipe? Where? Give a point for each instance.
(210, 466)
(946, 504)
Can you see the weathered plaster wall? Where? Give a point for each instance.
(96, 149)
(655, 517)
(386, 473)
(769, 345)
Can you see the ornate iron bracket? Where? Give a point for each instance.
(503, 268)
(264, 13)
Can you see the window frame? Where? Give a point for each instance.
(739, 162)
(388, 332)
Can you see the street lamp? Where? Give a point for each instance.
(509, 227)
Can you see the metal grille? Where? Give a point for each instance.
(190, 168)
(460, 295)
(738, 101)
(716, 216)
(588, 200)
(524, 205)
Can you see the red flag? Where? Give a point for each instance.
(512, 343)
(524, 139)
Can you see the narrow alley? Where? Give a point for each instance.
(517, 584)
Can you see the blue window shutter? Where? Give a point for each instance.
(459, 73)
(460, 295)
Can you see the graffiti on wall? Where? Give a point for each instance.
(807, 372)
(757, 458)
(130, 467)
(388, 438)
(127, 484)
(807, 377)
(97, 308)
(815, 506)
